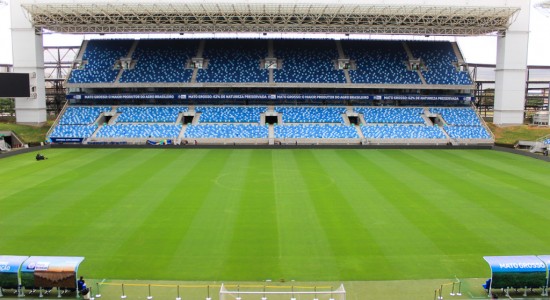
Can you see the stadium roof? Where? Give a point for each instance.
(544, 5)
(441, 17)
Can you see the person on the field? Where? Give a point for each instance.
(80, 284)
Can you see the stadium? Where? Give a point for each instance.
(273, 151)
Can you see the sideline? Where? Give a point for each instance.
(23, 151)
(522, 152)
(404, 147)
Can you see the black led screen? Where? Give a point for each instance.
(14, 85)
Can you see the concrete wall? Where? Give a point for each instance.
(511, 69)
(28, 57)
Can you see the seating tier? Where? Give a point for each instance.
(307, 62)
(80, 115)
(467, 132)
(226, 131)
(234, 61)
(149, 114)
(439, 58)
(230, 114)
(73, 131)
(293, 114)
(139, 131)
(161, 61)
(458, 116)
(315, 131)
(404, 115)
(101, 56)
(402, 132)
(379, 62)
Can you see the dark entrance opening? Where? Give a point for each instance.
(187, 119)
(271, 119)
(353, 120)
(436, 120)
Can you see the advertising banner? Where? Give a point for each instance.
(9, 270)
(66, 140)
(517, 271)
(268, 97)
(50, 271)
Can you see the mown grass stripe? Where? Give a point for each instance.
(59, 206)
(255, 243)
(413, 247)
(147, 217)
(493, 206)
(304, 246)
(352, 244)
(203, 249)
(44, 176)
(430, 216)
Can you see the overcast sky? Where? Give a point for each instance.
(475, 49)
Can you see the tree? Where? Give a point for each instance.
(7, 107)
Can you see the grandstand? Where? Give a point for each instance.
(174, 89)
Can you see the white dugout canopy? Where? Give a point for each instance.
(402, 17)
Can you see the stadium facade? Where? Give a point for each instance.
(509, 20)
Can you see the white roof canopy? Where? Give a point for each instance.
(375, 17)
(544, 5)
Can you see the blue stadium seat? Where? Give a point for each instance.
(239, 61)
(315, 131)
(73, 131)
(297, 114)
(467, 132)
(234, 61)
(462, 122)
(464, 116)
(149, 114)
(161, 61)
(310, 61)
(230, 114)
(82, 115)
(225, 131)
(379, 62)
(402, 115)
(402, 132)
(439, 58)
(139, 131)
(101, 56)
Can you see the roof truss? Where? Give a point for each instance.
(230, 17)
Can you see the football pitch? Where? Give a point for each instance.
(252, 215)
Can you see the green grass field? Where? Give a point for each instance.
(251, 215)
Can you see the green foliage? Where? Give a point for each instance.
(29, 134)
(511, 134)
(7, 107)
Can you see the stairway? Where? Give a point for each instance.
(270, 53)
(411, 57)
(128, 56)
(200, 52)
